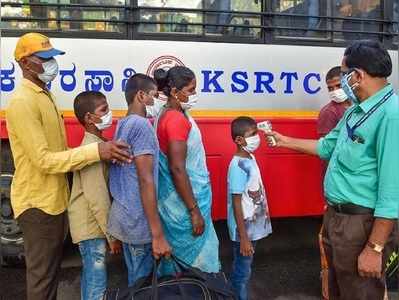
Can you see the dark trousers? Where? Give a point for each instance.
(344, 238)
(44, 237)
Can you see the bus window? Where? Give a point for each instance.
(395, 18)
(304, 21)
(93, 16)
(362, 28)
(318, 22)
(38, 13)
(232, 17)
(179, 20)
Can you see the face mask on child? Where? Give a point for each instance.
(106, 121)
(152, 111)
(253, 143)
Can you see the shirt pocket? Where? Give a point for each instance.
(351, 156)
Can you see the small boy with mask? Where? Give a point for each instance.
(247, 216)
(90, 200)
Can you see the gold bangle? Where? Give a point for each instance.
(192, 208)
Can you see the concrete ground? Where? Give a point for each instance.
(286, 266)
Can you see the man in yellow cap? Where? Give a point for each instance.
(40, 192)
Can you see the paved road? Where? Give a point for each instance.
(286, 265)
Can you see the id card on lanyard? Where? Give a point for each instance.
(351, 130)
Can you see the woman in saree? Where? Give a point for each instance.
(184, 190)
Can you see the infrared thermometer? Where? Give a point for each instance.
(266, 126)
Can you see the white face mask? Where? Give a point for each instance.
(253, 143)
(106, 121)
(149, 111)
(338, 96)
(192, 101)
(152, 111)
(50, 68)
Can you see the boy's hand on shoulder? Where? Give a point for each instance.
(246, 248)
(115, 247)
(161, 247)
(115, 151)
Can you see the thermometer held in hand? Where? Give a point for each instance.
(266, 126)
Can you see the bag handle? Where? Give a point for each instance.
(154, 287)
(201, 276)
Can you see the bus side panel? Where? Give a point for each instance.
(3, 129)
(292, 180)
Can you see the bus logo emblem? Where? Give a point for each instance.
(163, 62)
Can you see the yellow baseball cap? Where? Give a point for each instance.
(37, 44)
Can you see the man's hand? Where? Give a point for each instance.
(281, 140)
(246, 248)
(161, 247)
(369, 263)
(197, 222)
(115, 151)
(115, 247)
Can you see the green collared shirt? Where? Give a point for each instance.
(365, 172)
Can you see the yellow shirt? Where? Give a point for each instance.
(90, 200)
(38, 144)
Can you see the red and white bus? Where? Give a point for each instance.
(266, 59)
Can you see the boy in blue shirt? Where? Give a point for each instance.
(134, 218)
(247, 216)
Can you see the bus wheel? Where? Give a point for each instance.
(11, 240)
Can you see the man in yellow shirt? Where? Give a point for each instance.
(39, 191)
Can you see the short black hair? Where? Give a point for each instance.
(334, 72)
(240, 125)
(369, 56)
(86, 102)
(176, 77)
(138, 82)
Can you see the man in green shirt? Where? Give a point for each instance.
(362, 181)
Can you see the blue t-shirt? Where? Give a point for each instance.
(244, 178)
(127, 221)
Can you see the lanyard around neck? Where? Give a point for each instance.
(351, 130)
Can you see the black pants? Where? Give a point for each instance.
(344, 238)
(44, 237)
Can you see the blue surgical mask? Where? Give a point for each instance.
(348, 89)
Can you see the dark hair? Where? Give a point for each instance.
(369, 56)
(334, 72)
(86, 102)
(176, 77)
(138, 82)
(240, 125)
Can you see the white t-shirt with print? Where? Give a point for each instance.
(244, 178)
